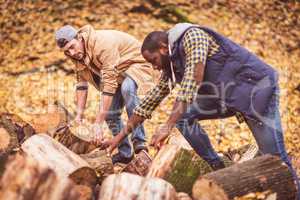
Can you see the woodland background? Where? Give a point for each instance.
(34, 72)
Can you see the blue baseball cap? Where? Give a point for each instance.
(64, 35)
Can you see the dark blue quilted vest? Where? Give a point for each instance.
(239, 79)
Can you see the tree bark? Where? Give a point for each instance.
(26, 179)
(258, 175)
(77, 137)
(180, 166)
(8, 141)
(127, 186)
(72, 138)
(13, 131)
(84, 192)
(101, 162)
(140, 164)
(64, 162)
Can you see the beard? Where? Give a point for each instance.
(79, 56)
(165, 62)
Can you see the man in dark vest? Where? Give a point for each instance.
(218, 79)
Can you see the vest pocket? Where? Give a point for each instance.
(249, 75)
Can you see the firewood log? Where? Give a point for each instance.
(126, 186)
(180, 166)
(13, 131)
(26, 179)
(77, 137)
(64, 162)
(57, 122)
(258, 175)
(100, 161)
(140, 164)
(56, 116)
(84, 192)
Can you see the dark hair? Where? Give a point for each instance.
(152, 40)
(61, 42)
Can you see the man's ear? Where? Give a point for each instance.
(80, 39)
(163, 48)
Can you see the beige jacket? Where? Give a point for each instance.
(113, 55)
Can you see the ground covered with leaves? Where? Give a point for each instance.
(34, 73)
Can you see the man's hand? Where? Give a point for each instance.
(132, 123)
(98, 134)
(161, 133)
(111, 144)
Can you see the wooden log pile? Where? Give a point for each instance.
(59, 162)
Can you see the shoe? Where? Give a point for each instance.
(117, 158)
(139, 146)
(217, 165)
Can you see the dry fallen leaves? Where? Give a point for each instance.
(269, 29)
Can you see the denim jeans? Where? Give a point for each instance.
(126, 95)
(268, 134)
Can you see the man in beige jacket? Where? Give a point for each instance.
(111, 61)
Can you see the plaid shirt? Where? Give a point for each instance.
(198, 46)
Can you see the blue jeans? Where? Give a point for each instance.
(268, 134)
(126, 95)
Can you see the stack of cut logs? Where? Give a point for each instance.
(46, 159)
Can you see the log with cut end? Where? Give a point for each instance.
(64, 162)
(77, 137)
(56, 124)
(56, 116)
(258, 175)
(179, 166)
(140, 164)
(13, 131)
(126, 186)
(100, 161)
(26, 179)
(8, 141)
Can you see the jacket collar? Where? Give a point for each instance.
(176, 32)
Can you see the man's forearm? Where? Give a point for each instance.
(180, 106)
(132, 123)
(106, 101)
(178, 109)
(81, 97)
